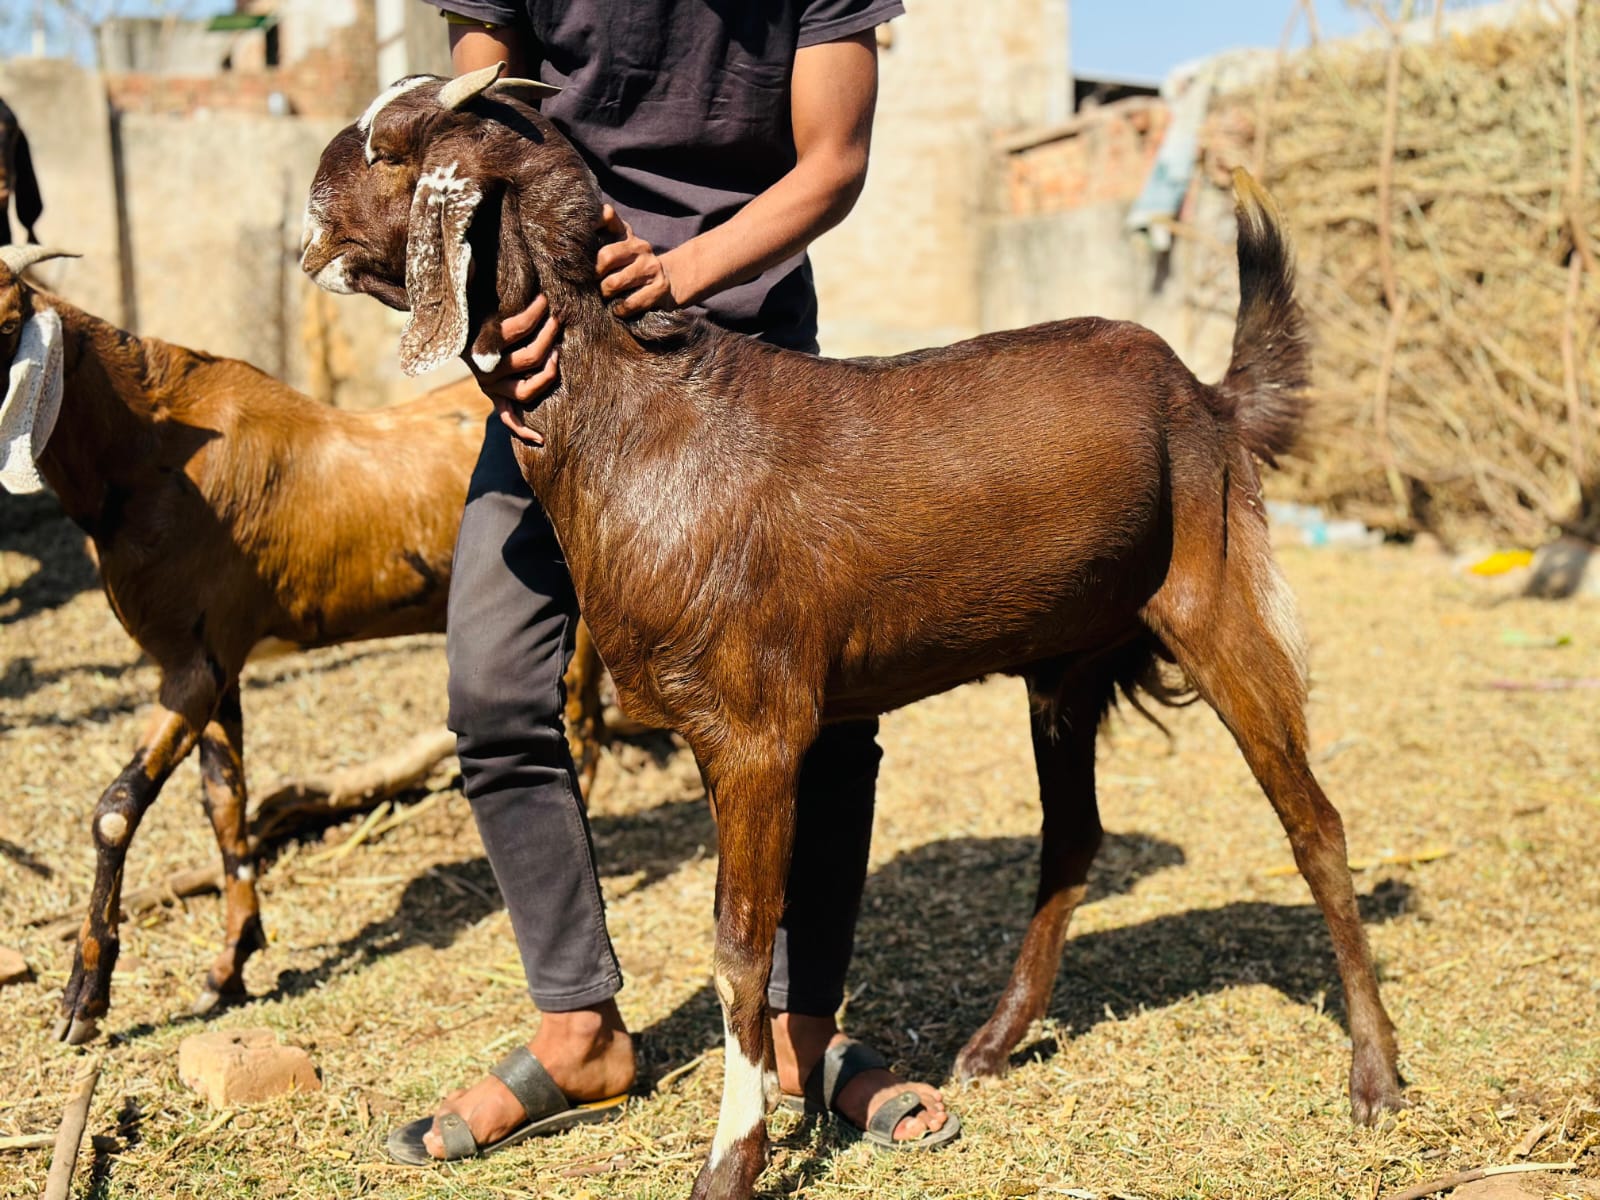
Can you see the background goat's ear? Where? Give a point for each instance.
(438, 257)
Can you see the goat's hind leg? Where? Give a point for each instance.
(1236, 636)
(186, 703)
(223, 781)
(1064, 732)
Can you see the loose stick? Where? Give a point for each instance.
(1582, 254)
(194, 881)
(28, 1141)
(1391, 128)
(293, 807)
(70, 1136)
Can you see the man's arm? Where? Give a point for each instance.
(476, 45)
(833, 90)
(832, 94)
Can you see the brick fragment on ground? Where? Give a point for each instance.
(13, 967)
(1532, 1186)
(238, 1066)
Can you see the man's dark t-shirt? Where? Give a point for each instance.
(681, 108)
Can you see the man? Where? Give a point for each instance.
(726, 138)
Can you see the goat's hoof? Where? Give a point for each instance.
(1374, 1093)
(77, 1031)
(1371, 1108)
(981, 1062)
(208, 1001)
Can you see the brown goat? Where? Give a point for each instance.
(226, 511)
(763, 541)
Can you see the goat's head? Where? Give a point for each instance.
(16, 297)
(30, 349)
(432, 171)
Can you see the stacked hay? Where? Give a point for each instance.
(1447, 225)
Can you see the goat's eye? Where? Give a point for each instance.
(10, 327)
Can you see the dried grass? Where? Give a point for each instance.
(1444, 224)
(1194, 1047)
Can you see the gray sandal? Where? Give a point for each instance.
(545, 1106)
(840, 1064)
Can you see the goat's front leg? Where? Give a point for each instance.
(185, 706)
(755, 838)
(222, 777)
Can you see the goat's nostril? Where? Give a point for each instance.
(310, 233)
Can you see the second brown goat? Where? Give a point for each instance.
(764, 541)
(228, 511)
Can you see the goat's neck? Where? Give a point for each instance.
(610, 384)
(103, 435)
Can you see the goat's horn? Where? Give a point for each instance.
(20, 258)
(463, 88)
(524, 85)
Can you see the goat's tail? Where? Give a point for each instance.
(1270, 372)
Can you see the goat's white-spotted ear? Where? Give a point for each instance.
(438, 257)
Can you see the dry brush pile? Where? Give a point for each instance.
(1442, 196)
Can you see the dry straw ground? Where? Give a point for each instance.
(1194, 1046)
(1443, 201)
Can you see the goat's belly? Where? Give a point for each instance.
(907, 654)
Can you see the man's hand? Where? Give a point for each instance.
(632, 275)
(527, 370)
(628, 268)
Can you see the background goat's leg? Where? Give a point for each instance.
(186, 704)
(584, 711)
(1237, 641)
(755, 840)
(1063, 753)
(222, 777)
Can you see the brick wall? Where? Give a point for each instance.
(335, 80)
(1103, 154)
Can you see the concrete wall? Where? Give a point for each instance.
(63, 110)
(1082, 262)
(214, 208)
(903, 270)
(200, 242)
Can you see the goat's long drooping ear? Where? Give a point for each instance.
(438, 257)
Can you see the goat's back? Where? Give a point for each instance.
(319, 525)
(931, 518)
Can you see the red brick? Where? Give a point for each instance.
(238, 1066)
(13, 967)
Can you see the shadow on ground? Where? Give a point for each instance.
(922, 919)
(438, 905)
(934, 951)
(939, 928)
(35, 526)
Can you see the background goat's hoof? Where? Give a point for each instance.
(213, 999)
(76, 1031)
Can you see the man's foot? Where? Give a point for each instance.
(800, 1043)
(588, 1054)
